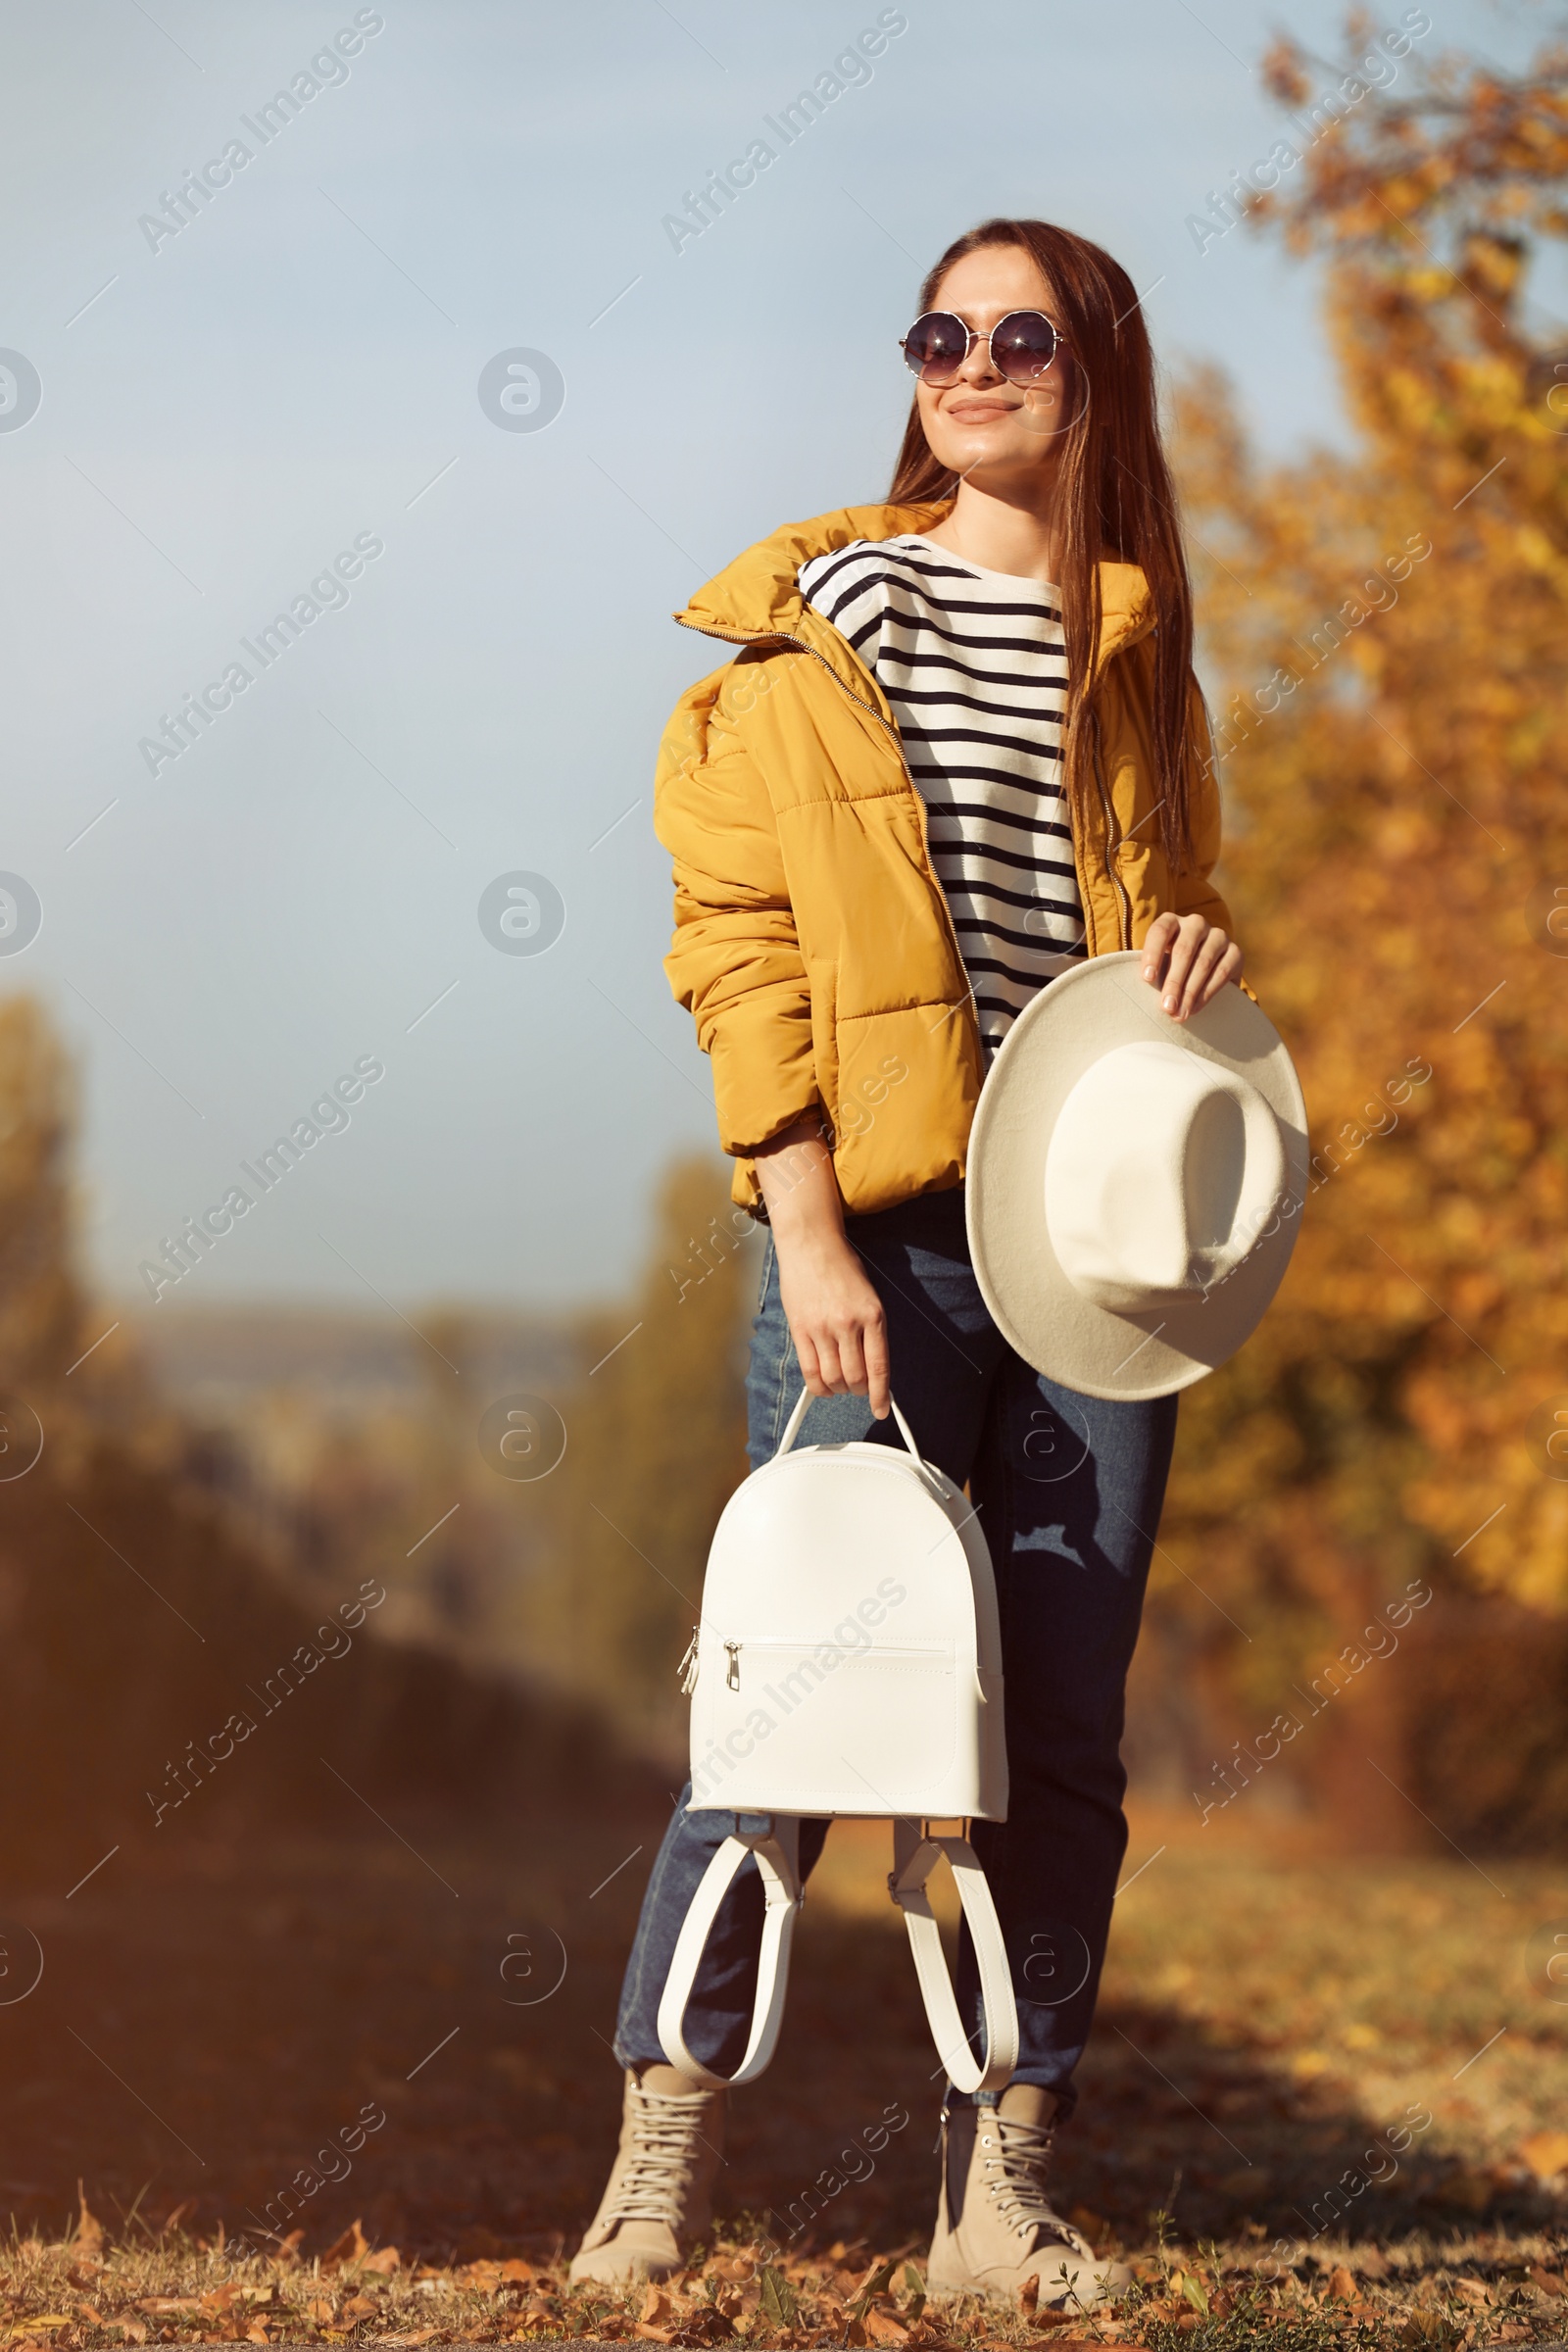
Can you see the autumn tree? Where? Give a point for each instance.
(1389, 627)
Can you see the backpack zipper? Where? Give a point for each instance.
(807, 1649)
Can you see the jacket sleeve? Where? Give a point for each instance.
(735, 961)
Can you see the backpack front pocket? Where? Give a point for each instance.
(851, 1728)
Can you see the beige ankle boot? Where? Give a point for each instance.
(658, 2198)
(996, 2226)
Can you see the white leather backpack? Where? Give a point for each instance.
(847, 1661)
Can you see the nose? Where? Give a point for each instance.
(979, 368)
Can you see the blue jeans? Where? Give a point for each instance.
(1069, 1491)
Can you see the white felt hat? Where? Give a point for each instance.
(1134, 1183)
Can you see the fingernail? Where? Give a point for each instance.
(1168, 1005)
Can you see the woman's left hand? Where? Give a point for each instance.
(1189, 960)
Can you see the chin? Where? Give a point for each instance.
(979, 449)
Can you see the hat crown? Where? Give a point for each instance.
(1163, 1171)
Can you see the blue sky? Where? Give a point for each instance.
(227, 410)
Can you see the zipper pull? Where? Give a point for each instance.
(687, 1669)
(732, 1676)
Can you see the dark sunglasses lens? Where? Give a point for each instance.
(1023, 346)
(937, 344)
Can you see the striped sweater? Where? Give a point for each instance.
(974, 667)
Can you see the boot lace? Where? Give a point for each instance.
(1015, 2183)
(664, 2138)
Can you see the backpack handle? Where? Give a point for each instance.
(792, 1429)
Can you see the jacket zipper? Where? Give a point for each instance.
(782, 637)
(1111, 875)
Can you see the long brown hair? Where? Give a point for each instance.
(1115, 495)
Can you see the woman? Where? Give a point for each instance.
(961, 746)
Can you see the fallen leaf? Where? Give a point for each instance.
(85, 2311)
(1546, 2153)
(89, 2236)
(255, 2332)
(360, 2307)
(1425, 2327)
(1343, 2287)
(656, 2306)
(1550, 2283)
(881, 2327)
(1471, 2291)
(1053, 2319)
(516, 2269)
(352, 2247)
(158, 2304)
(659, 2336)
(133, 2330)
(385, 2261)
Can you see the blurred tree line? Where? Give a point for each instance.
(139, 1627)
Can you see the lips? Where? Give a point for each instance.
(975, 412)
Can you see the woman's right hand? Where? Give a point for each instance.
(835, 1317)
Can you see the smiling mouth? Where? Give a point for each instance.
(976, 412)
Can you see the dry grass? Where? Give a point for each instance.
(1268, 2016)
(1470, 2290)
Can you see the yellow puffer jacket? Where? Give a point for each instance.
(814, 943)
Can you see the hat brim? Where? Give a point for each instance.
(1084, 1014)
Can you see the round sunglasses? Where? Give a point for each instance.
(1021, 346)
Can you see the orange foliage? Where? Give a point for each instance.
(1392, 630)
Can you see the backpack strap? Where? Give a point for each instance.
(914, 1858)
(776, 1852)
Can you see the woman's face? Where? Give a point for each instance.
(981, 424)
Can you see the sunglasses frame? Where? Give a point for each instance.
(974, 334)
